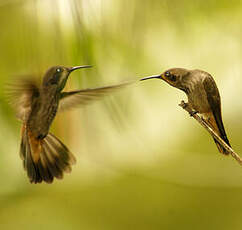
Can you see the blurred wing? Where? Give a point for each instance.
(81, 97)
(20, 95)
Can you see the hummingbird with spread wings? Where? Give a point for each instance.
(203, 96)
(44, 156)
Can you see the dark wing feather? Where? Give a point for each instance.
(20, 94)
(81, 97)
(215, 104)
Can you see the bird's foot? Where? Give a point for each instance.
(188, 108)
(41, 136)
(183, 104)
(192, 113)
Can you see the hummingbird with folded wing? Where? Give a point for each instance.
(203, 96)
(44, 156)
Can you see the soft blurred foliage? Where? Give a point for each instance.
(142, 162)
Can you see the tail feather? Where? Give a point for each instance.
(52, 162)
(221, 149)
(213, 123)
(32, 169)
(59, 146)
(53, 145)
(36, 171)
(44, 171)
(54, 158)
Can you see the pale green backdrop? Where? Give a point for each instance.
(142, 162)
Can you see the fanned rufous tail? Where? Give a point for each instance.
(44, 159)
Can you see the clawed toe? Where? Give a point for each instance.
(192, 113)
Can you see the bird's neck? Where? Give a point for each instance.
(49, 96)
(189, 82)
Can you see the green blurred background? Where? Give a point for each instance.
(142, 162)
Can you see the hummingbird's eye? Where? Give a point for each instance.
(56, 76)
(167, 74)
(170, 77)
(58, 70)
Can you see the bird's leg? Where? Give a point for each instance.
(193, 113)
(188, 108)
(184, 105)
(206, 120)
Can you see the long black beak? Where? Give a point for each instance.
(150, 77)
(79, 67)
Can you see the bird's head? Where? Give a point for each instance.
(175, 77)
(56, 76)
